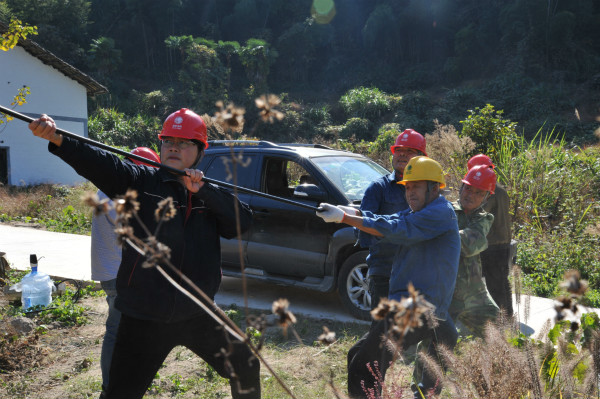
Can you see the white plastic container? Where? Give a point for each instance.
(35, 287)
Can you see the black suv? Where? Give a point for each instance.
(288, 244)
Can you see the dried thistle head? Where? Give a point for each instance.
(123, 232)
(327, 338)
(127, 205)
(165, 210)
(573, 284)
(280, 308)
(412, 311)
(384, 307)
(156, 252)
(100, 206)
(267, 104)
(229, 117)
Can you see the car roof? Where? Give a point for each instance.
(304, 150)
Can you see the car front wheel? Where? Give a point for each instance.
(353, 286)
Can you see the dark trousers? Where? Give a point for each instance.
(379, 287)
(143, 345)
(371, 351)
(495, 265)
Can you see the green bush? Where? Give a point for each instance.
(156, 103)
(544, 259)
(318, 114)
(415, 111)
(365, 102)
(357, 129)
(114, 128)
(486, 127)
(379, 149)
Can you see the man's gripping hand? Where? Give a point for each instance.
(330, 213)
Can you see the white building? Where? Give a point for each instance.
(57, 89)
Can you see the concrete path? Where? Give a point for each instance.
(67, 256)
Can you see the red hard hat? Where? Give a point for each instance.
(146, 153)
(480, 159)
(410, 139)
(481, 176)
(185, 124)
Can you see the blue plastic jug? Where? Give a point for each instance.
(36, 287)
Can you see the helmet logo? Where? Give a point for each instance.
(409, 169)
(177, 123)
(405, 137)
(477, 176)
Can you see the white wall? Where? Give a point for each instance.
(52, 93)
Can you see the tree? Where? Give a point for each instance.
(202, 78)
(381, 34)
(299, 49)
(62, 25)
(486, 127)
(227, 50)
(103, 56)
(181, 44)
(257, 57)
(16, 31)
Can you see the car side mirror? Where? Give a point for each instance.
(310, 192)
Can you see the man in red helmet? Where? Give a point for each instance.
(472, 304)
(156, 316)
(496, 259)
(385, 196)
(105, 261)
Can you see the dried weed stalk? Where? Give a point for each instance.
(451, 151)
(266, 104)
(407, 314)
(489, 368)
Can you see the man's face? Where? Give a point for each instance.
(401, 157)
(416, 194)
(178, 153)
(471, 197)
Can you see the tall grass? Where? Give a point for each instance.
(554, 207)
(58, 208)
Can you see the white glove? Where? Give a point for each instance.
(330, 213)
(349, 210)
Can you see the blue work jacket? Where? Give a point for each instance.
(384, 196)
(428, 251)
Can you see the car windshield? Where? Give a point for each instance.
(352, 175)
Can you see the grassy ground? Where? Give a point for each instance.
(59, 361)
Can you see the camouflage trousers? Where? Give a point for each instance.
(473, 306)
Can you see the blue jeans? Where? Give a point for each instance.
(112, 325)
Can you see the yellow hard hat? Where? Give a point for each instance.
(423, 168)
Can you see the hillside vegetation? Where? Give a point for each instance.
(538, 61)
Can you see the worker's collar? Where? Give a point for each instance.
(395, 178)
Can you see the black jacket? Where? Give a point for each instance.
(195, 247)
